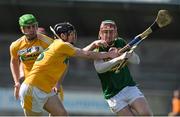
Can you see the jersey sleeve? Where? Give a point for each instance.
(67, 49)
(45, 39)
(13, 50)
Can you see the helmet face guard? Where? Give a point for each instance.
(108, 25)
(26, 22)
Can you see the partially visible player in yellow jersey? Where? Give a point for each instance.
(58, 88)
(50, 66)
(26, 49)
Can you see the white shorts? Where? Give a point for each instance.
(125, 97)
(32, 98)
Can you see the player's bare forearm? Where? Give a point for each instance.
(89, 47)
(95, 55)
(14, 65)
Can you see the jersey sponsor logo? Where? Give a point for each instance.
(30, 53)
(41, 56)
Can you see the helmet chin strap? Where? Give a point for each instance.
(30, 38)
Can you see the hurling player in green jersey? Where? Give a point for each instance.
(119, 89)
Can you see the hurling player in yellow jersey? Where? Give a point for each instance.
(26, 49)
(50, 66)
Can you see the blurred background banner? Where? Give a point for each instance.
(75, 102)
(86, 102)
(8, 101)
(157, 74)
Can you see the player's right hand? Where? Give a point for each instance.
(16, 90)
(113, 53)
(125, 55)
(113, 49)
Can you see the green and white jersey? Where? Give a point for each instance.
(113, 82)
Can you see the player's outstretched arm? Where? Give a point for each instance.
(95, 55)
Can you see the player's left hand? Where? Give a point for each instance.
(55, 89)
(125, 55)
(99, 43)
(59, 91)
(16, 90)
